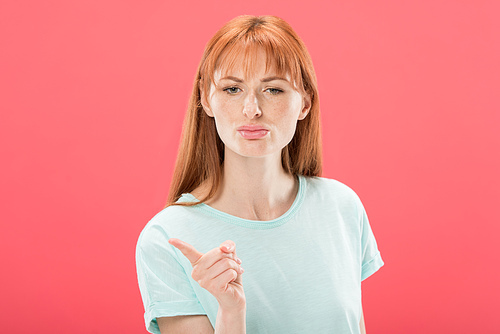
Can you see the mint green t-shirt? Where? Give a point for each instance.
(303, 270)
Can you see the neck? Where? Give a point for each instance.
(256, 188)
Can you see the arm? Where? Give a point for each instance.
(185, 324)
(227, 322)
(362, 323)
(219, 272)
(230, 321)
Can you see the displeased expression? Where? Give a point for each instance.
(257, 115)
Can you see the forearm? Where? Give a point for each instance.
(230, 322)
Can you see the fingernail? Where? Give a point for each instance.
(238, 260)
(228, 247)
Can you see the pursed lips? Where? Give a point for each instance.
(252, 128)
(252, 132)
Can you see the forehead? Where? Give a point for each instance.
(248, 62)
(238, 73)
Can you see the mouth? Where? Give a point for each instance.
(252, 131)
(253, 134)
(251, 127)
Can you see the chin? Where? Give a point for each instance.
(256, 153)
(253, 149)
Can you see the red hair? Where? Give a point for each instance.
(201, 151)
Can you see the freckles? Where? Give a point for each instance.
(278, 107)
(284, 109)
(220, 107)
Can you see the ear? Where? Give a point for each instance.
(306, 106)
(204, 101)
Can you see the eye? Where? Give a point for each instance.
(274, 91)
(231, 90)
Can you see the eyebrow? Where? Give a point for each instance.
(262, 80)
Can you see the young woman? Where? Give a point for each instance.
(247, 176)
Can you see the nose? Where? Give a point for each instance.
(251, 108)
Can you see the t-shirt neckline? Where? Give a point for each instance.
(255, 224)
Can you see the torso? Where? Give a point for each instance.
(227, 205)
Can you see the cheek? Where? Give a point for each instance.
(287, 114)
(224, 117)
(223, 106)
(223, 114)
(285, 111)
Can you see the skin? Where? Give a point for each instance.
(217, 271)
(254, 184)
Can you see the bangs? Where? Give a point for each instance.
(244, 52)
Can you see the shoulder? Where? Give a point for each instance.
(323, 185)
(326, 190)
(159, 227)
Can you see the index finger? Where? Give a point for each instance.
(228, 246)
(189, 251)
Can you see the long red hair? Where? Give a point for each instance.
(201, 151)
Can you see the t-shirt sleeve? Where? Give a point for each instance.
(371, 261)
(164, 284)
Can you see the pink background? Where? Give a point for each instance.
(92, 98)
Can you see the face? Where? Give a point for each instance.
(255, 116)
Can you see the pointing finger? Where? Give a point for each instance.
(189, 251)
(228, 246)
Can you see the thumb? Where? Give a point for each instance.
(189, 251)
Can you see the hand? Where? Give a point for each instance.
(218, 271)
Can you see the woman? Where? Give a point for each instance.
(248, 174)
